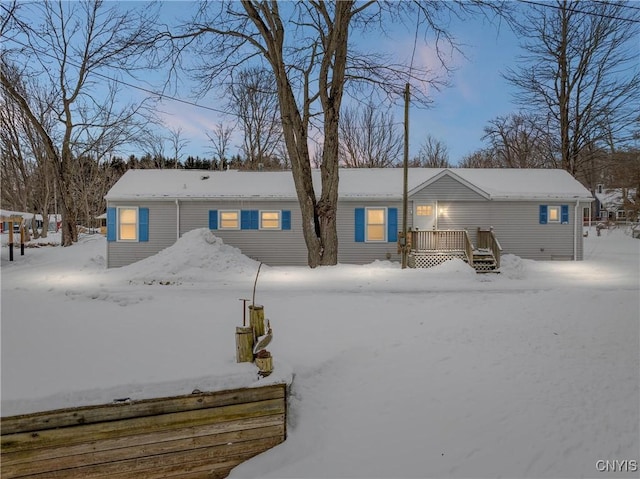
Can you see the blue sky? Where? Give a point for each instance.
(477, 94)
(457, 117)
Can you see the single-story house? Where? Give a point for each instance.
(54, 220)
(532, 213)
(16, 218)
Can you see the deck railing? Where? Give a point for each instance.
(443, 241)
(487, 240)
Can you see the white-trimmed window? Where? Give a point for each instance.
(270, 220)
(375, 224)
(424, 210)
(229, 220)
(127, 224)
(554, 214)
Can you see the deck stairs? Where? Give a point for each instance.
(430, 248)
(484, 261)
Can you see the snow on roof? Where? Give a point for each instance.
(523, 183)
(381, 183)
(6, 214)
(613, 198)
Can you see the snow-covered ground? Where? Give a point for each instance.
(418, 373)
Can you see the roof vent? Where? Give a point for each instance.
(204, 177)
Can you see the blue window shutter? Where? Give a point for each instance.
(564, 214)
(143, 224)
(111, 224)
(392, 225)
(543, 214)
(359, 212)
(245, 220)
(213, 219)
(286, 220)
(249, 220)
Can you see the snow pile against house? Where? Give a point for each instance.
(194, 257)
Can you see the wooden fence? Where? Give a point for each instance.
(192, 436)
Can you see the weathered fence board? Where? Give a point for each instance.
(200, 435)
(124, 410)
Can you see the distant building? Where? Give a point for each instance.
(619, 205)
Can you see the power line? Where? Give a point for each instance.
(415, 42)
(170, 97)
(575, 10)
(631, 7)
(130, 85)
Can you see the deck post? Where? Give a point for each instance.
(10, 240)
(22, 238)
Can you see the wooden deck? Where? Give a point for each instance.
(432, 247)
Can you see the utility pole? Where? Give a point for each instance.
(406, 177)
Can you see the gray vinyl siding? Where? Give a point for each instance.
(162, 234)
(282, 247)
(278, 247)
(515, 223)
(446, 189)
(352, 252)
(517, 227)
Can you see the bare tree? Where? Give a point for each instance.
(521, 141)
(316, 158)
(578, 68)
(220, 139)
(16, 168)
(27, 172)
(154, 146)
(480, 159)
(433, 153)
(369, 138)
(178, 144)
(307, 47)
(71, 48)
(253, 98)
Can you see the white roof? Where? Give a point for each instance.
(380, 183)
(613, 198)
(8, 214)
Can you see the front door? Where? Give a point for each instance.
(424, 216)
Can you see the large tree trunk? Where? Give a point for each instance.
(295, 135)
(69, 229)
(318, 216)
(332, 80)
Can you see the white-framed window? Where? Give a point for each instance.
(271, 220)
(554, 214)
(424, 210)
(127, 223)
(375, 224)
(229, 220)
